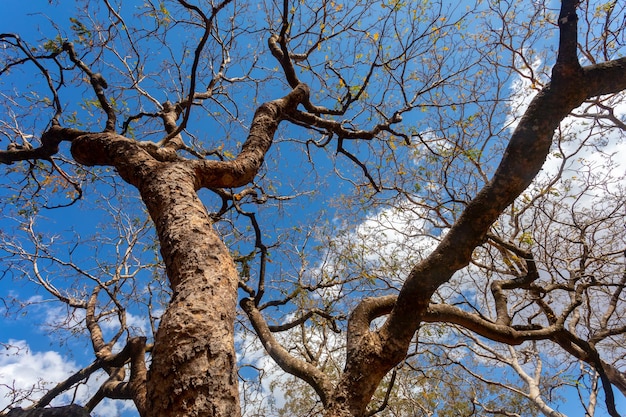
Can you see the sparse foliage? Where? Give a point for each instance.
(321, 208)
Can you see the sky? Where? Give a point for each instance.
(35, 357)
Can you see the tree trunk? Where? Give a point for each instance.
(193, 370)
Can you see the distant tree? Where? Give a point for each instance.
(363, 179)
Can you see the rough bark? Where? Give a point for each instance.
(193, 367)
(193, 370)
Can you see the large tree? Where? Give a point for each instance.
(404, 110)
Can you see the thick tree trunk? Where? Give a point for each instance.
(193, 370)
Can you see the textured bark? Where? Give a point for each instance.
(193, 370)
(193, 367)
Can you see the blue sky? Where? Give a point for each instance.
(35, 350)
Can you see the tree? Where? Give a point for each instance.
(412, 100)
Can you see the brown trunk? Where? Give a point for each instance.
(193, 370)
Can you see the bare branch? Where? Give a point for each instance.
(98, 83)
(316, 378)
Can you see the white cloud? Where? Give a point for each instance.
(584, 145)
(27, 375)
(266, 390)
(272, 389)
(27, 371)
(523, 90)
(382, 247)
(138, 323)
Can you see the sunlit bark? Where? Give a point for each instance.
(190, 368)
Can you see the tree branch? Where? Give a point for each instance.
(288, 363)
(50, 141)
(509, 334)
(187, 104)
(244, 167)
(98, 84)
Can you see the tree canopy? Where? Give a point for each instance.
(317, 208)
